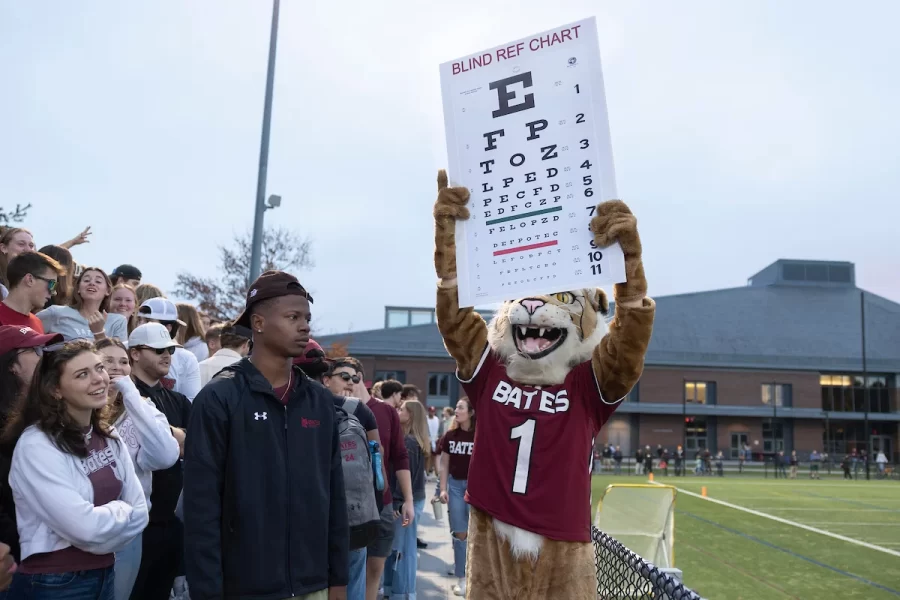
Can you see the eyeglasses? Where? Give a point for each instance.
(348, 377)
(160, 351)
(51, 283)
(36, 349)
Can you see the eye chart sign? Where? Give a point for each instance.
(528, 134)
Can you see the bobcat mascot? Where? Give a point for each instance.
(544, 376)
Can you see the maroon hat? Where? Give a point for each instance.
(271, 284)
(313, 353)
(16, 337)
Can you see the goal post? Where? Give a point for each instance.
(641, 516)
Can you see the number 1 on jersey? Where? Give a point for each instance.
(524, 433)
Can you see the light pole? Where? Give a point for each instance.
(260, 205)
(862, 326)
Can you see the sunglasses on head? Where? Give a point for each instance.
(160, 351)
(348, 377)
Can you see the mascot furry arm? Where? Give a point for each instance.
(543, 376)
(618, 360)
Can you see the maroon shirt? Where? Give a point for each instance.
(458, 443)
(393, 449)
(98, 466)
(531, 466)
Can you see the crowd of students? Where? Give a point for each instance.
(148, 452)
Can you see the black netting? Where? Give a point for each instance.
(622, 574)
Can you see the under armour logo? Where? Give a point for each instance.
(257, 416)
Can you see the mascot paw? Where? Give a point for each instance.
(451, 201)
(614, 222)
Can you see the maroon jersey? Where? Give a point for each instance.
(531, 466)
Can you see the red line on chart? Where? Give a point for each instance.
(524, 248)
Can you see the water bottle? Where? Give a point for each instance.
(376, 465)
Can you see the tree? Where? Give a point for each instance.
(337, 349)
(17, 216)
(223, 297)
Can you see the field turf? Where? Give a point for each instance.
(726, 553)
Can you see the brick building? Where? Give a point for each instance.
(778, 364)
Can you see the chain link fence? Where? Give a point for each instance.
(623, 575)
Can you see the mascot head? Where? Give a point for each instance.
(541, 338)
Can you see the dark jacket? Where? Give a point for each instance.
(264, 509)
(167, 483)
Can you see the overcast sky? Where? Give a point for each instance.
(743, 132)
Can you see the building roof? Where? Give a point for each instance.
(782, 320)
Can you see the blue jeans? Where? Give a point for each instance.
(128, 562)
(96, 584)
(400, 584)
(458, 513)
(356, 588)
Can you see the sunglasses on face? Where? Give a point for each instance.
(51, 283)
(160, 351)
(348, 377)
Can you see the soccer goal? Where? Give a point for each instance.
(642, 518)
(634, 543)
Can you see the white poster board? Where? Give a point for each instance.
(528, 134)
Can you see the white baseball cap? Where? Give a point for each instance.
(160, 309)
(151, 335)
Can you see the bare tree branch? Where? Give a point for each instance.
(17, 216)
(223, 297)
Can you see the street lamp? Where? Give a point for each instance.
(260, 205)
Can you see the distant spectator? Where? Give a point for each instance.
(32, 280)
(213, 343)
(192, 336)
(13, 242)
(814, 459)
(86, 317)
(127, 274)
(123, 300)
(64, 286)
(150, 443)
(151, 349)
(376, 390)
(410, 392)
(184, 374)
(21, 349)
(235, 341)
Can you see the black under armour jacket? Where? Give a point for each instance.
(264, 510)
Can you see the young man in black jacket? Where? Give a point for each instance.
(264, 509)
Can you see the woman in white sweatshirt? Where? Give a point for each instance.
(78, 499)
(149, 440)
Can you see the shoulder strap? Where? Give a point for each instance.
(350, 405)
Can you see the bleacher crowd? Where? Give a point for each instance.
(148, 452)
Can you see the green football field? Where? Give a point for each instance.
(726, 553)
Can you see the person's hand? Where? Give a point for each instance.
(444, 497)
(337, 593)
(7, 567)
(179, 435)
(409, 513)
(360, 391)
(81, 238)
(97, 321)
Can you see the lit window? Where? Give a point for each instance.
(695, 391)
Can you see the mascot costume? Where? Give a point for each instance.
(543, 376)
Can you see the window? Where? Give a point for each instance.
(700, 392)
(773, 436)
(439, 387)
(397, 318)
(846, 393)
(385, 375)
(421, 317)
(781, 392)
(695, 433)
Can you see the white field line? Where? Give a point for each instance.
(836, 536)
(810, 509)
